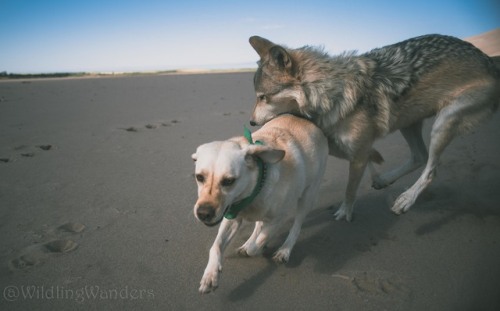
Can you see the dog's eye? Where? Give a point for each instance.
(262, 97)
(226, 182)
(200, 178)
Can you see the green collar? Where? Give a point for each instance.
(237, 207)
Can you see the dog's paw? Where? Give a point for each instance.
(249, 250)
(344, 212)
(242, 251)
(380, 183)
(281, 256)
(209, 282)
(403, 203)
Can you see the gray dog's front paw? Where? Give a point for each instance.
(344, 212)
(282, 256)
(379, 182)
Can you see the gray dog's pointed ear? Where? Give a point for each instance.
(261, 45)
(281, 59)
(277, 55)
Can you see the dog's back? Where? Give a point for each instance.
(420, 55)
(420, 76)
(306, 145)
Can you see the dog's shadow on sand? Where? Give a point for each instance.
(249, 286)
(332, 243)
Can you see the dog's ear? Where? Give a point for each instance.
(267, 154)
(277, 55)
(281, 59)
(261, 45)
(194, 156)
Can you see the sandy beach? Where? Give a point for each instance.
(97, 192)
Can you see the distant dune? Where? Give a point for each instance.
(488, 42)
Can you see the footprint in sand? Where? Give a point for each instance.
(380, 284)
(26, 154)
(38, 254)
(32, 258)
(44, 147)
(131, 129)
(150, 126)
(73, 227)
(61, 246)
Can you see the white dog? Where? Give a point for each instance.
(263, 182)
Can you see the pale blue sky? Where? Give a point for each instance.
(127, 35)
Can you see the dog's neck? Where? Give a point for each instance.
(237, 207)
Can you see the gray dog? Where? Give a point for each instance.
(356, 99)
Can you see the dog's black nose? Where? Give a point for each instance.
(252, 123)
(205, 212)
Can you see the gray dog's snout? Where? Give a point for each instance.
(205, 212)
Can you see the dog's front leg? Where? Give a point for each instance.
(248, 248)
(210, 280)
(356, 170)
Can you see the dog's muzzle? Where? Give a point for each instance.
(206, 214)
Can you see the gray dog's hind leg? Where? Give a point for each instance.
(466, 111)
(419, 155)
